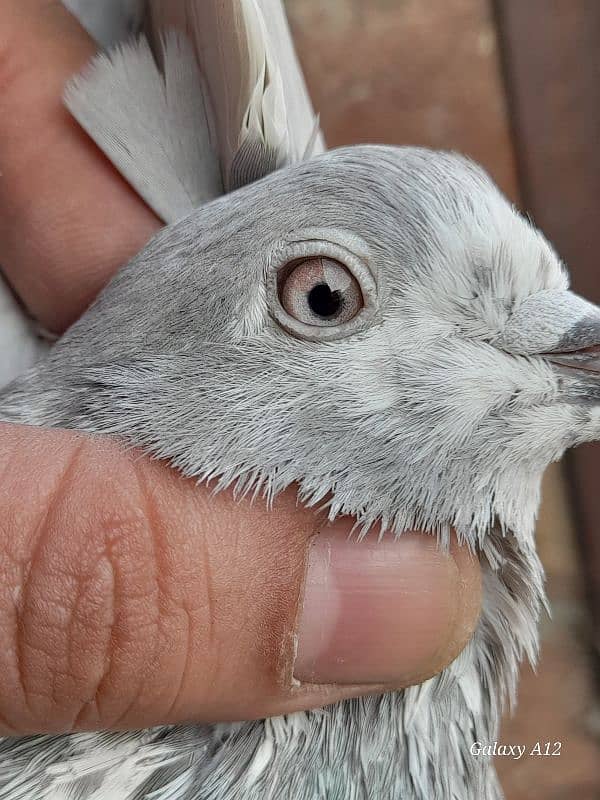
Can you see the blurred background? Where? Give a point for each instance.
(515, 84)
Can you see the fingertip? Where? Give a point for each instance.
(389, 611)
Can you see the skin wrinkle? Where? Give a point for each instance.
(14, 625)
(211, 606)
(210, 596)
(82, 584)
(121, 641)
(145, 497)
(44, 529)
(288, 654)
(70, 670)
(156, 535)
(209, 610)
(111, 552)
(201, 620)
(271, 630)
(93, 702)
(185, 670)
(11, 466)
(13, 621)
(97, 691)
(211, 670)
(104, 553)
(65, 630)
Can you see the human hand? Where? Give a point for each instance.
(129, 596)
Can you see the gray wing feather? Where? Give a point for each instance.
(108, 21)
(252, 160)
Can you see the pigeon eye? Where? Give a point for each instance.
(320, 292)
(320, 289)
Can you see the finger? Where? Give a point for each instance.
(67, 219)
(129, 596)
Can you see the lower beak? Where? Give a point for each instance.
(586, 359)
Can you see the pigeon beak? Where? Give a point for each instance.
(579, 367)
(586, 359)
(563, 329)
(579, 347)
(560, 327)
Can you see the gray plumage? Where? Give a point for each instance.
(439, 405)
(420, 418)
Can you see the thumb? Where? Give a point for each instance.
(130, 596)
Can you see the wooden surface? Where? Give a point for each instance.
(432, 72)
(554, 94)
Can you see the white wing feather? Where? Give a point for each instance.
(263, 114)
(154, 125)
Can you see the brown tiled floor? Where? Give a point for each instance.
(427, 72)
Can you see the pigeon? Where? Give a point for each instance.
(376, 325)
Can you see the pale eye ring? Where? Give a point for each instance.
(320, 291)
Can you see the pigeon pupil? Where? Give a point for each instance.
(323, 302)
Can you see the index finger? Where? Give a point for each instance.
(67, 219)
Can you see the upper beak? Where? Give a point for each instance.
(560, 327)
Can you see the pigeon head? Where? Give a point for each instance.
(378, 325)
